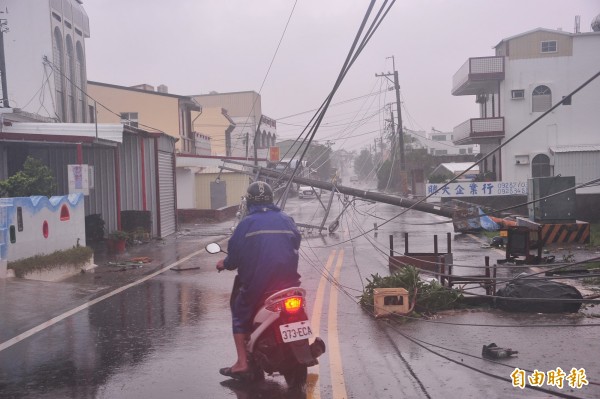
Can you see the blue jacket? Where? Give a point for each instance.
(264, 250)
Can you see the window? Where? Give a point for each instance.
(462, 150)
(71, 114)
(438, 137)
(64, 213)
(129, 118)
(80, 82)
(45, 229)
(541, 99)
(20, 218)
(13, 234)
(549, 46)
(58, 52)
(441, 152)
(540, 166)
(517, 94)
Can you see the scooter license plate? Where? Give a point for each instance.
(295, 331)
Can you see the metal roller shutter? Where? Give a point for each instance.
(166, 189)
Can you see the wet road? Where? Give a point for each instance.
(166, 337)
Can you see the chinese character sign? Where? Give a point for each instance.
(557, 378)
(476, 189)
(273, 154)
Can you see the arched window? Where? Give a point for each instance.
(64, 213)
(540, 166)
(80, 82)
(59, 57)
(541, 99)
(70, 72)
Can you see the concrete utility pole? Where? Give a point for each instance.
(256, 139)
(427, 207)
(400, 148)
(3, 29)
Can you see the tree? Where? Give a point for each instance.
(363, 165)
(35, 179)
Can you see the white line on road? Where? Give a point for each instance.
(7, 344)
(313, 388)
(338, 384)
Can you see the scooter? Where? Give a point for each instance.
(279, 341)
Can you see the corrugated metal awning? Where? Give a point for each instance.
(575, 148)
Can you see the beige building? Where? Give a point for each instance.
(215, 123)
(253, 132)
(141, 106)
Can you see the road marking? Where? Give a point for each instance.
(313, 389)
(335, 359)
(7, 344)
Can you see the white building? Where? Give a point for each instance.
(529, 73)
(44, 49)
(440, 143)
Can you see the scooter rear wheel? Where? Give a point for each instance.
(258, 374)
(296, 376)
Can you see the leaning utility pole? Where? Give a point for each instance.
(400, 177)
(400, 148)
(418, 205)
(256, 140)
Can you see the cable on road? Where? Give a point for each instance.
(482, 358)
(478, 370)
(408, 366)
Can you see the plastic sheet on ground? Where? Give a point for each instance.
(539, 288)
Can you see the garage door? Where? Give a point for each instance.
(166, 187)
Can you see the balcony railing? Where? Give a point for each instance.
(479, 130)
(478, 75)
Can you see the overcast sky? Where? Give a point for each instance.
(199, 46)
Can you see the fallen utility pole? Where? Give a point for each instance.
(368, 195)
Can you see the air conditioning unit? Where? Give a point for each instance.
(517, 94)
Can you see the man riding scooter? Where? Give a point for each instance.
(264, 250)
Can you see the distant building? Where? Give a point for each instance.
(439, 143)
(252, 129)
(142, 107)
(215, 123)
(454, 169)
(528, 75)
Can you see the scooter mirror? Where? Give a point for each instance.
(213, 248)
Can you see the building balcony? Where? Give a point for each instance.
(478, 75)
(187, 145)
(478, 131)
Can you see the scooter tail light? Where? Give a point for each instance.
(293, 304)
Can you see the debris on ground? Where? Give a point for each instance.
(133, 263)
(519, 291)
(493, 351)
(141, 259)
